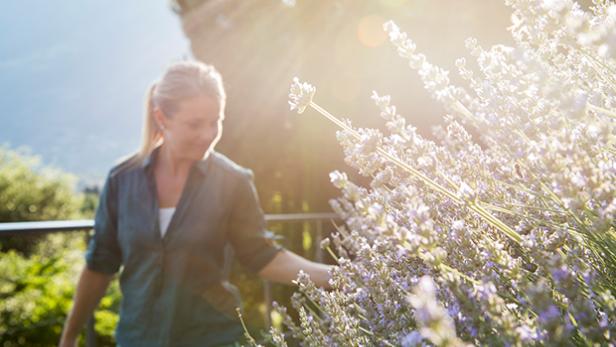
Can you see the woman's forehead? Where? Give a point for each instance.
(200, 107)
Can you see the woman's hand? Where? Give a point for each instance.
(91, 288)
(286, 265)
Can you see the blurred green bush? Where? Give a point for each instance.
(38, 273)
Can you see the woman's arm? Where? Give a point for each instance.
(286, 265)
(90, 289)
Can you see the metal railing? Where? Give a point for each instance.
(46, 227)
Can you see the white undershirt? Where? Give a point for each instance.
(164, 217)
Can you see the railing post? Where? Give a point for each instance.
(319, 237)
(267, 292)
(90, 331)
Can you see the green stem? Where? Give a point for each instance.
(594, 62)
(329, 250)
(599, 109)
(450, 269)
(599, 62)
(497, 223)
(335, 120)
(246, 333)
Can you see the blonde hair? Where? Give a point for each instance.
(181, 80)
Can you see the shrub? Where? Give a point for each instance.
(511, 242)
(38, 274)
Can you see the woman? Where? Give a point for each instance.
(165, 215)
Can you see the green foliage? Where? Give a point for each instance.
(38, 275)
(31, 192)
(37, 291)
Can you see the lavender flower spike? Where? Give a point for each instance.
(300, 95)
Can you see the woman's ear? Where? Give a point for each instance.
(159, 118)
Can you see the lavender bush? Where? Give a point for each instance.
(509, 243)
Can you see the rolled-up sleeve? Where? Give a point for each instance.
(103, 253)
(253, 248)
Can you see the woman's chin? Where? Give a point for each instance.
(202, 153)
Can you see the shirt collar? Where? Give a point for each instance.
(201, 164)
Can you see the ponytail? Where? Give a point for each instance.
(150, 133)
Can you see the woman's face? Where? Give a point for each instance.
(194, 129)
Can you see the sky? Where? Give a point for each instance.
(74, 76)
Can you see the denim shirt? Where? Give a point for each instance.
(172, 288)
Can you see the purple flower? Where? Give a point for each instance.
(551, 313)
